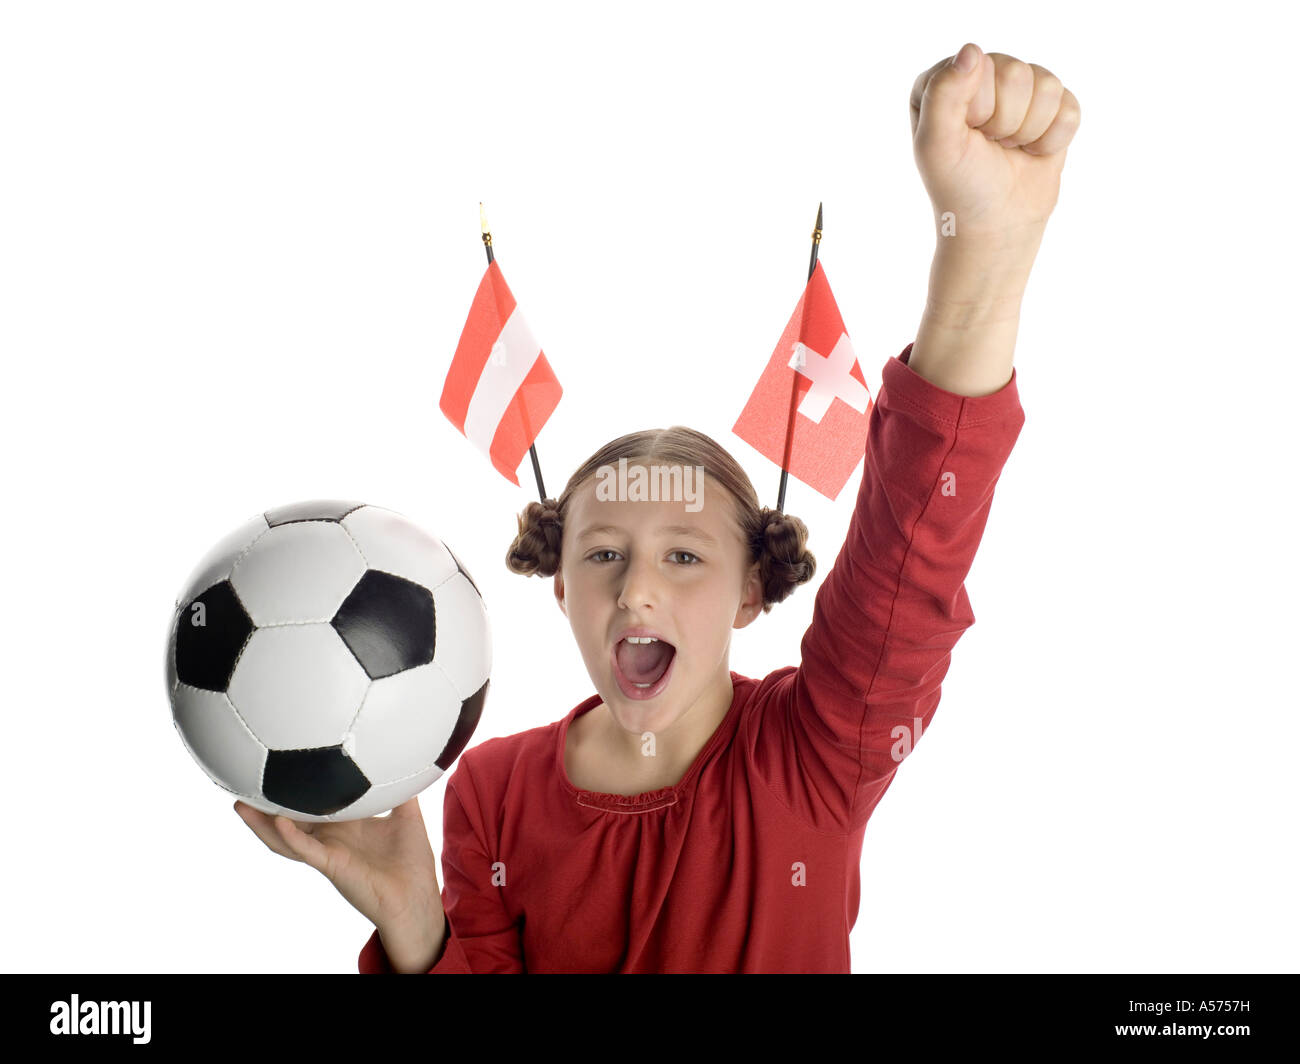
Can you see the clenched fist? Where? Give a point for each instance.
(990, 140)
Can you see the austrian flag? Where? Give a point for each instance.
(500, 389)
(821, 440)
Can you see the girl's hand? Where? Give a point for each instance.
(990, 142)
(384, 866)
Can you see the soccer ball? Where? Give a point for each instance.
(327, 660)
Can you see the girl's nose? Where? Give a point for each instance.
(641, 585)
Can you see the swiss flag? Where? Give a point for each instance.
(500, 389)
(828, 433)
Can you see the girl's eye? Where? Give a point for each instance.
(596, 556)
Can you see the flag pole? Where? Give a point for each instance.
(487, 245)
(794, 384)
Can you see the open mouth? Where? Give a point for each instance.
(643, 669)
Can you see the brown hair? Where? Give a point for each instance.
(775, 539)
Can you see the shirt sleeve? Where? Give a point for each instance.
(894, 604)
(481, 935)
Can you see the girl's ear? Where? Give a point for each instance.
(558, 586)
(751, 602)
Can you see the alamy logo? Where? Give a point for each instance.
(656, 483)
(101, 1017)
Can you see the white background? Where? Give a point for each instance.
(239, 244)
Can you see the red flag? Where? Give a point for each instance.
(500, 389)
(828, 435)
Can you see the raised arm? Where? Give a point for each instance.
(894, 605)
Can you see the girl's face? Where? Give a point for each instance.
(621, 568)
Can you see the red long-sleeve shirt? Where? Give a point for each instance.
(751, 862)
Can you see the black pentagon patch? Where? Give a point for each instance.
(470, 711)
(461, 568)
(318, 782)
(211, 632)
(387, 623)
(313, 510)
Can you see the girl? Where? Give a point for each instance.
(686, 818)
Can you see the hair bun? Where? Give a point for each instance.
(550, 513)
(770, 521)
(536, 548)
(781, 546)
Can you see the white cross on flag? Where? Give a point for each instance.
(500, 389)
(825, 439)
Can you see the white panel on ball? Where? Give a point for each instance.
(464, 649)
(298, 686)
(392, 544)
(216, 564)
(297, 572)
(218, 740)
(405, 723)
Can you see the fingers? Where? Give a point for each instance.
(946, 100)
(268, 829)
(260, 825)
(306, 847)
(1017, 104)
(1014, 87)
(1064, 124)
